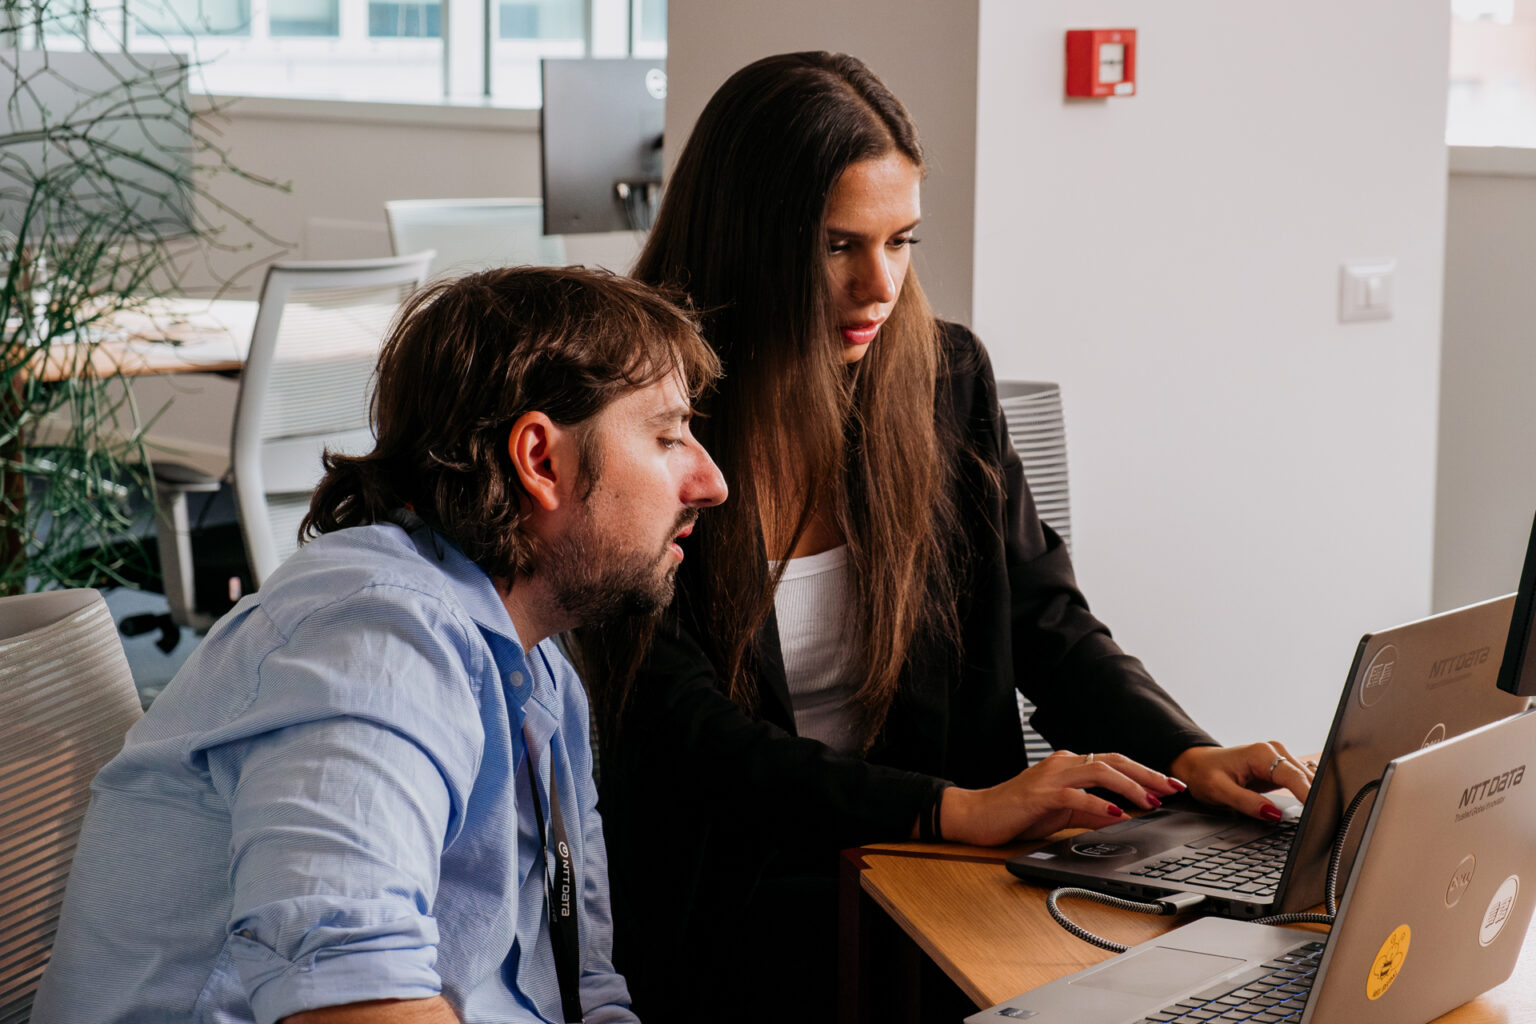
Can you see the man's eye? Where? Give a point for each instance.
(670, 442)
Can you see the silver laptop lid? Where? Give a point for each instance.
(1410, 686)
(1437, 909)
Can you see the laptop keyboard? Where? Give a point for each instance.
(1274, 992)
(1252, 869)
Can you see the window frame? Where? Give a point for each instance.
(469, 55)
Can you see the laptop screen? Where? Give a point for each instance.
(1515, 673)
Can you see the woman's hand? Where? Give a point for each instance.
(1049, 796)
(1236, 776)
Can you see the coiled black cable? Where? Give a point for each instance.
(1335, 860)
(1161, 909)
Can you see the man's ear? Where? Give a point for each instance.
(545, 458)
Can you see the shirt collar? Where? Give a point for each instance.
(478, 596)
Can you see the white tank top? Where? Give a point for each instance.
(810, 604)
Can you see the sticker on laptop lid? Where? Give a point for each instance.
(1460, 880)
(1378, 675)
(1389, 961)
(1499, 909)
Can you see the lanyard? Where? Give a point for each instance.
(560, 892)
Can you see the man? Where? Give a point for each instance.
(368, 795)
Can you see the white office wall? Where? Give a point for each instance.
(1487, 482)
(923, 51)
(1253, 482)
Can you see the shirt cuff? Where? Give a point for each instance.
(352, 965)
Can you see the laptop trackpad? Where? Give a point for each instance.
(1159, 971)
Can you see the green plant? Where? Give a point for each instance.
(106, 163)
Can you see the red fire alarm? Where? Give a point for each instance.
(1101, 62)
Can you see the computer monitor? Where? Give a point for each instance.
(601, 139)
(1517, 673)
(110, 137)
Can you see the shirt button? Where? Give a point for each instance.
(515, 678)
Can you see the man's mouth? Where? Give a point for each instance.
(686, 523)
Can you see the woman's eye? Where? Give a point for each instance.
(837, 247)
(903, 241)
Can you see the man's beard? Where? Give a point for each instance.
(594, 580)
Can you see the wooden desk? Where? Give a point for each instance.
(167, 336)
(992, 935)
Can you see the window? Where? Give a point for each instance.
(526, 30)
(1492, 99)
(649, 21)
(401, 50)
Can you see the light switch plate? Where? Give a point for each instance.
(1365, 290)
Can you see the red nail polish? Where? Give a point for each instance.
(1153, 801)
(1269, 812)
(1112, 810)
(1177, 784)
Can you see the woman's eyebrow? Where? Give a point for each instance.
(847, 233)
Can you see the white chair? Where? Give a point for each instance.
(305, 387)
(474, 234)
(1037, 428)
(66, 700)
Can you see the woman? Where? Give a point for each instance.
(839, 665)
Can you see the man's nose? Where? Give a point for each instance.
(705, 485)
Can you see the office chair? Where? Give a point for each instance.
(66, 700)
(1037, 427)
(474, 234)
(304, 388)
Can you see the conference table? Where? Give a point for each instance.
(906, 906)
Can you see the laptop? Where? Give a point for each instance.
(1409, 686)
(1434, 914)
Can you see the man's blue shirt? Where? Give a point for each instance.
(331, 803)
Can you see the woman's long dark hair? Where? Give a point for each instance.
(796, 431)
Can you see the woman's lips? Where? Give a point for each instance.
(861, 333)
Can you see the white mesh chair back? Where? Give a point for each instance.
(66, 699)
(1037, 428)
(474, 234)
(306, 385)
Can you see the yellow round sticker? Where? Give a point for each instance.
(1389, 960)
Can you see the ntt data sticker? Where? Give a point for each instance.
(1499, 910)
(1389, 961)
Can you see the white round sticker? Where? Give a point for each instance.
(1499, 910)
(1378, 676)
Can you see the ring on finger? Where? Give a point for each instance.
(1276, 763)
(1090, 758)
(1311, 765)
